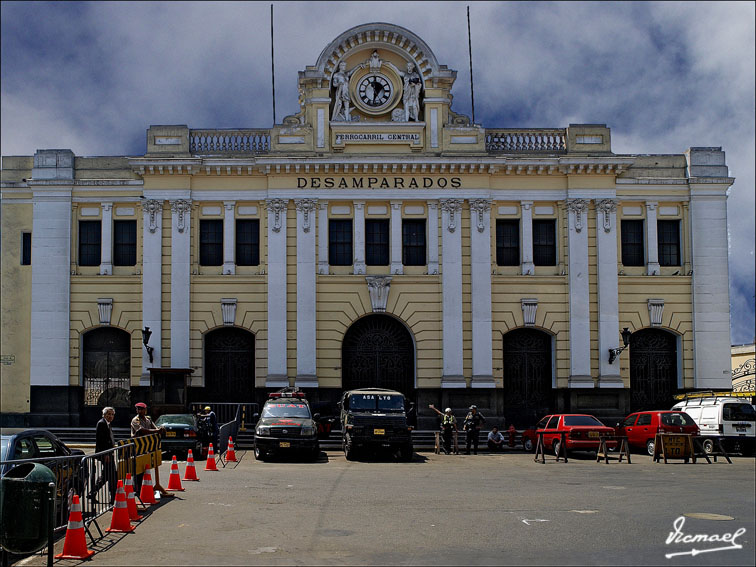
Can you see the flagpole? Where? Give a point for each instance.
(272, 64)
(469, 48)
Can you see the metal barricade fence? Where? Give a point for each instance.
(103, 471)
(229, 429)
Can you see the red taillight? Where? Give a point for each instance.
(575, 434)
(191, 433)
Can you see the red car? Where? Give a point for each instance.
(582, 433)
(641, 427)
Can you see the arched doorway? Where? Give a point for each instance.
(527, 376)
(378, 352)
(653, 369)
(106, 367)
(229, 365)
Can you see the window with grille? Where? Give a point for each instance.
(544, 242)
(90, 242)
(124, 243)
(211, 242)
(340, 242)
(508, 242)
(632, 243)
(377, 242)
(413, 242)
(668, 235)
(248, 242)
(26, 248)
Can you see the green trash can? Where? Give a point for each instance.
(27, 506)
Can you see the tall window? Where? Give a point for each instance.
(26, 248)
(211, 242)
(632, 243)
(413, 242)
(248, 242)
(508, 242)
(90, 240)
(668, 234)
(377, 242)
(340, 242)
(544, 242)
(124, 243)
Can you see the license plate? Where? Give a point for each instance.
(593, 434)
(379, 432)
(740, 428)
(284, 444)
(170, 434)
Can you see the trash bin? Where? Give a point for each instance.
(27, 505)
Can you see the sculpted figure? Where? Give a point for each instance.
(340, 82)
(413, 85)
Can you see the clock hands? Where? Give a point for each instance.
(377, 90)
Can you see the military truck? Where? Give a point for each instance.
(374, 418)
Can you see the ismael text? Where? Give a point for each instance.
(378, 182)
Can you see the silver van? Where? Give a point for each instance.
(731, 418)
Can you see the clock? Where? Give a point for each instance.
(375, 91)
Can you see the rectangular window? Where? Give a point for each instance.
(544, 242)
(668, 233)
(413, 242)
(211, 242)
(340, 242)
(26, 248)
(632, 243)
(124, 243)
(508, 242)
(90, 241)
(377, 242)
(248, 242)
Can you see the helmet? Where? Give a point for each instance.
(473, 407)
(447, 410)
(207, 408)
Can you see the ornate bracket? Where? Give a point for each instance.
(451, 206)
(655, 311)
(105, 309)
(378, 288)
(276, 206)
(228, 310)
(606, 207)
(181, 207)
(480, 207)
(529, 307)
(152, 207)
(578, 206)
(307, 206)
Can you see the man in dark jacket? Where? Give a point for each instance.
(104, 441)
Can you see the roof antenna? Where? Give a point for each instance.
(469, 48)
(272, 65)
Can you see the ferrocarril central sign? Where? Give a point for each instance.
(347, 182)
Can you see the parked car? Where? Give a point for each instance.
(182, 432)
(731, 418)
(641, 427)
(287, 425)
(582, 432)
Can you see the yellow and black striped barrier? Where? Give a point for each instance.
(146, 452)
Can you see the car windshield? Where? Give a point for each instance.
(376, 402)
(677, 419)
(581, 420)
(286, 410)
(739, 412)
(176, 419)
(4, 448)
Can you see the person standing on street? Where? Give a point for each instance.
(143, 425)
(212, 420)
(473, 422)
(104, 440)
(448, 425)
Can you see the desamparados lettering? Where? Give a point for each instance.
(379, 182)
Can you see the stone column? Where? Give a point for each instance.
(608, 292)
(152, 283)
(229, 238)
(451, 281)
(277, 359)
(359, 238)
(652, 246)
(580, 323)
(323, 237)
(106, 253)
(433, 237)
(306, 297)
(396, 238)
(482, 327)
(181, 213)
(528, 267)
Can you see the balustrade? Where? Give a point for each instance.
(532, 140)
(255, 141)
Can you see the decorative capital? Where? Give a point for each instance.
(180, 207)
(229, 205)
(480, 207)
(526, 205)
(378, 288)
(107, 206)
(154, 209)
(276, 206)
(451, 206)
(650, 206)
(578, 206)
(306, 206)
(605, 208)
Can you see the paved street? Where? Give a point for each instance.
(450, 510)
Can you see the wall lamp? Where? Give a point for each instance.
(615, 352)
(146, 333)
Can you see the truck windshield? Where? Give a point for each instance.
(286, 410)
(738, 412)
(376, 402)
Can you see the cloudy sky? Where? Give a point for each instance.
(663, 76)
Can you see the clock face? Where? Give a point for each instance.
(375, 90)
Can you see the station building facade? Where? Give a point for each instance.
(374, 238)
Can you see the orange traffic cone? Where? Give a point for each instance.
(190, 473)
(210, 463)
(147, 494)
(230, 453)
(75, 546)
(120, 520)
(131, 500)
(174, 481)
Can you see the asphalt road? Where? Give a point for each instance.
(442, 510)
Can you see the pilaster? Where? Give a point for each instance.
(359, 238)
(482, 326)
(152, 234)
(229, 238)
(180, 281)
(306, 296)
(451, 281)
(396, 238)
(652, 240)
(277, 368)
(106, 253)
(608, 292)
(528, 267)
(580, 323)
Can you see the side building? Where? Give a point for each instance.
(375, 238)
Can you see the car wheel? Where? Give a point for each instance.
(708, 446)
(259, 454)
(650, 447)
(315, 453)
(406, 453)
(528, 445)
(349, 450)
(556, 446)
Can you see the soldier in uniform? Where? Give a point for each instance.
(143, 425)
(448, 425)
(473, 422)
